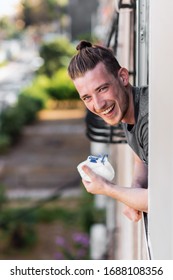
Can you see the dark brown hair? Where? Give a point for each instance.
(88, 57)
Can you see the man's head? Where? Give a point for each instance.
(88, 57)
(102, 83)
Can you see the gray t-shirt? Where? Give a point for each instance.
(137, 134)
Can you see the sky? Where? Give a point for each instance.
(7, 7)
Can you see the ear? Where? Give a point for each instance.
(123, 76)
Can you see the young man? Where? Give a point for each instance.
(104, 87)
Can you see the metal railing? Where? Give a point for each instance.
(98, 131)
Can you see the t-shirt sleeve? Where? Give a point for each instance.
(144, 139)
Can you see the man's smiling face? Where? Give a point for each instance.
(103, 94)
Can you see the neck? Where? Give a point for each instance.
(130, 115)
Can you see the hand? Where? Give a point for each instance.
(98, 184)
(133, 214)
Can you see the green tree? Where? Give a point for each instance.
(61, 87)
(38, 11)
(56, 54)
(8, 28)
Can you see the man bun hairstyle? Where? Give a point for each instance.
(89, 56)
(83, 44)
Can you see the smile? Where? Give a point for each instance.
(108, 110)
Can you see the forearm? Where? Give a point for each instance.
(140, 174)
(140, 182)
(136, 198)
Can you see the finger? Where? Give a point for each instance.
(88, 171)
(85, 182)
(137, 216)
(132, 214)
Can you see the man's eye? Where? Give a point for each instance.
(86, 98)
(103, 89)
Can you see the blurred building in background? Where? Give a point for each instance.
(102, 19)
(81, 13)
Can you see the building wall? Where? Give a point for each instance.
(102, 19)
(161, 130)
(81, 12)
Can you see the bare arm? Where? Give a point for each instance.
(140, 176)
(135, 197)
(140, 180)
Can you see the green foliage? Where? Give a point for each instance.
(61, 3)
(5, 143)
(75, 248)
(23, 235)
(61, 87)
(19, 224)
(13, 118)
(29, 106)
(56, 54)
(49, 215)
(8, 28)
(38, 89)
(34, 13)
(3, 198)
(89, 215)
(32, 99)
(12, 121)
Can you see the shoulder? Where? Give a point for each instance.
(143, 101)
(143, 115)
(144, 94)
(141, 94)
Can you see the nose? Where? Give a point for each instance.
(99, 103)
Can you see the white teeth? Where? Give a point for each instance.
(108, 110)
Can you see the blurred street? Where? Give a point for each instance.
(45, 159)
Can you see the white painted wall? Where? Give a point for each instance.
(161, 129)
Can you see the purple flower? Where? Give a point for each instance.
(81, 253)
(59, 256)
(76, 248)
(81, 238)
(60, 241)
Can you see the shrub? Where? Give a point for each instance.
(12, 120)
(38, 90)
(62, 87)
(5, 143)
(22, 235)
(29, 106)
(3, 198)
(56, 54)
(75, 248)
